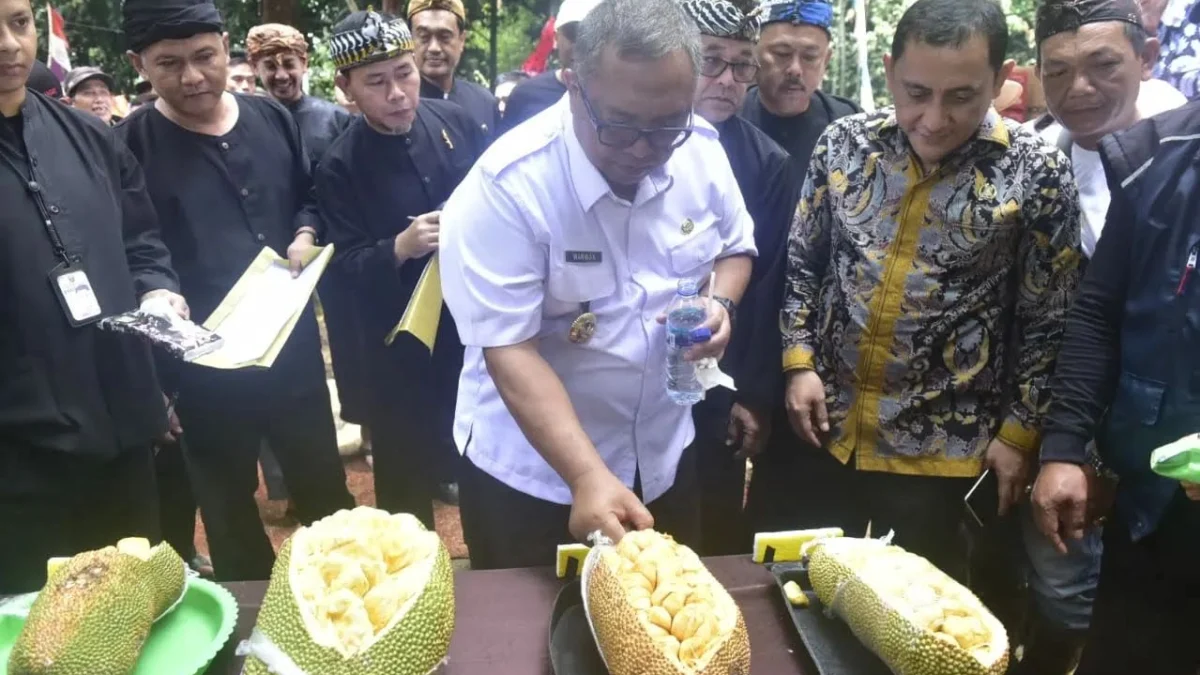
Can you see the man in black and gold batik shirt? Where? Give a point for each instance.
(931, 263)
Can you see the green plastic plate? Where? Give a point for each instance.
(183, 642)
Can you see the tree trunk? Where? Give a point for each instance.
(393, 7)
(279, 11)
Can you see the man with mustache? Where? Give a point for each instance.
(229, 176)
(91, 90)
(730, 427)
(279, 55)
(931, 264)
(793, 54)
(562, 248)
(380, 189)
(440, 31)
(80, 408)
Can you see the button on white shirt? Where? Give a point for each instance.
(534, 236)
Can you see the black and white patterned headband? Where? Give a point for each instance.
(720, 18)
(376, 40)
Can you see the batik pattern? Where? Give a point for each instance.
(931, 304)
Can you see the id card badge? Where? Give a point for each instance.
(75, 294)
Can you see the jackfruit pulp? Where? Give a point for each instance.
(916, 618)
(96, 609)
(357, 593)
(656, 610)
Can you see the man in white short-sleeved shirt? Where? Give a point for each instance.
(560, 253)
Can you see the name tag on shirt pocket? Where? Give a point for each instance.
(576, 282)
(700, 249)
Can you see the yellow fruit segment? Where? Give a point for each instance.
(360, 592)
(657, 610)
(914, 616)
(53, 565)
(137, 547)
(788, 546)
(795, 595)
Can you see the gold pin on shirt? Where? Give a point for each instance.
(584, 325)
(687, 226)
(446, 139)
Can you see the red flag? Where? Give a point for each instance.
(58, 54)
(536, 63)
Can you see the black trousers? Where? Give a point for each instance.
(336, 294)
(722, 478)
(412, 399)
(223, 441)
(506, 528)
(406, 466)
(797, 486)
(177, 504)
(1147, 609)
(94, 504)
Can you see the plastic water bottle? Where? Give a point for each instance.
(685, 314)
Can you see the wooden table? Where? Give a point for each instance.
(502, 621)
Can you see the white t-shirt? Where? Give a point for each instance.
(1093, 195)
(1154, 97)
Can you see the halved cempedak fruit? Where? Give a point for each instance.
(656, 610)
(97, 608)
(915, 617)
(357, 593)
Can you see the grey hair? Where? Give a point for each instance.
(639, 29)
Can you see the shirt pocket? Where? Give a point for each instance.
(694, 257)
(573, 284)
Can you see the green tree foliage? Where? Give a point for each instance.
(94, 33)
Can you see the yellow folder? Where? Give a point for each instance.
(424, 311)
(257, 316)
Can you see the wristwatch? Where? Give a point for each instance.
(729, 305)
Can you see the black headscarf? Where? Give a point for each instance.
(150, 21)
(1064, 16)
(43, 80)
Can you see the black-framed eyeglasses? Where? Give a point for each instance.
(621, 136)
(743, 71)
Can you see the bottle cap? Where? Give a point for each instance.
(688, 287)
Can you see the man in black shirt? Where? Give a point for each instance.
(794, 53)
(1128, 375)
(733, 426)
(229, 175)
(440, 29)
(541, 92)
(279, 55)
(80, 408)
(380, 189)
